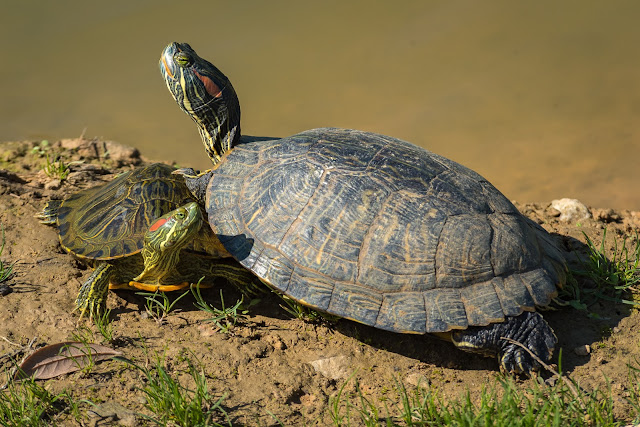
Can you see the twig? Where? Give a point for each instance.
(547, 367)
(537, 359)
(12, 343)
(23, 349)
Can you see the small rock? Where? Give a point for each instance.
(276, 342)
(416, 379)
(121, 153)
(554, 212)
(5, 290)
(335, 368)
(605, 215)
(571, 210)
(53, 184)
(582, 350)
(206, 330)
(113, 412)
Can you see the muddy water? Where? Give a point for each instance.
(542, 98)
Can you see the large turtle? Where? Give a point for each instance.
(371, 228)
(142, 230)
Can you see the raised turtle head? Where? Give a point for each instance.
(205, 94)
(164, 240)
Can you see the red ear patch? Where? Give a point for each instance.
(211, 87)
(159, 223)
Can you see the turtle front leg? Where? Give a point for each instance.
(93, 293)
(529, 329)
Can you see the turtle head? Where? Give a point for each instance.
(171, 232)
(166, 237)
(205, 94)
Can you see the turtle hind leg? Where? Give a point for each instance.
(235, 274)
(528, 329)
(205, 271)
(92, 296)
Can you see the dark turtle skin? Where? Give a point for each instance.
(371, 228)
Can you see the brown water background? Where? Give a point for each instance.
(542, 98)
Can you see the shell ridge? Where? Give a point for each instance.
(375, 156)
(367, 238)
(297, 217)
(435, 254)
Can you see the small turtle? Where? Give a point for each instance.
(143, 230)
(371, 228)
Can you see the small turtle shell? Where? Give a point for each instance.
(109, 221)
(375, 229)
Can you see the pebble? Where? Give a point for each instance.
(53, 184)
(335, 368)
(5, 290)
(206, 330)
(114, 412)
(276, 342)
(605, 215)
(571, 210)
(416, 379)
(582, 350)
(120, 152)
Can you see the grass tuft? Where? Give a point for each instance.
(299, 311)
(158, 304)
(175, 404)
(56, 168)
(29, 404)
(105, 325)
(5, 270)
(302, 312)
(613, 277)
(227, 317)
(502, 404)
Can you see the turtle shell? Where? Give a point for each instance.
(377, 230)
(109, 221)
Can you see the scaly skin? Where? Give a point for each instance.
(529, 329)
(161, 253)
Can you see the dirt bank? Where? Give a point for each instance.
(264, 364)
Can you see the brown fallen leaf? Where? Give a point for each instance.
(62, 358)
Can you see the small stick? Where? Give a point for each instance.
(23, 349)
(547, 367)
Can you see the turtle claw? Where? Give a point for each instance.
(91, 307)
(519, 361)
(523, 344)
(532, 352)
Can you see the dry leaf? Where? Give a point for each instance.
(63, 358)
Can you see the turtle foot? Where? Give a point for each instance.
(522, 343)
(92, 296)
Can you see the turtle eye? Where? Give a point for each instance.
(182, 59)
(180, 214)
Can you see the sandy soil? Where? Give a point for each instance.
(264, 364)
